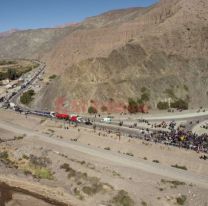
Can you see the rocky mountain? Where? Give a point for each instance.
(7, 33)
(112, 56)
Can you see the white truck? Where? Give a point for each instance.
(107, 120)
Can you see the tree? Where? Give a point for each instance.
(132, 106)
(12, 74)
(179, 104)
(27, 97)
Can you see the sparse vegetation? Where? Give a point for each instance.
(186, 87)
(130, 154)
(104, 108)
(53, 76)
(27, 97)
(11, 74)
(4, 155)
(24, 156)
(37, 166)
(179, 104)
(39, 161)
(173, 183)
(6, 62)
(116, 173)
(145, 96)
(156, 161)
(19, 137)
(14, 69)
(179, 167)
(107, 148)
(42, 173)
(143, 203)
(92, 110)
(162, 105)
(85, 184)
(77, 192)
(132, 106)
(181, 200)
(122, 199)
(93, 189)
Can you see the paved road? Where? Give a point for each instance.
(193, 116)
(15, 97)
(118, 159)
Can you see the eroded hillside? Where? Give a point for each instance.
(113, 55)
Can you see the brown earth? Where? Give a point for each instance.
(154, 189)
(115, 54)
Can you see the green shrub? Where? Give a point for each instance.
(162, 105)
(130, 154)
(43, 173)
(145, 97)
(93, 189)
(92, 110)
(12, 74)
(122, 199)
(52, 76)
(143, 203)
(179, 167)
(173, 183)
(6, 62)
(181, 200)
(27, 97)
(186, 87)
(132, 106)
(179, 104)
(4, 155)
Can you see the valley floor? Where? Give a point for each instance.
(80, 166)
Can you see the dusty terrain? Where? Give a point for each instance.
(112, 56)
(98, 165)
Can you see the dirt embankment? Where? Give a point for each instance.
(13, 190)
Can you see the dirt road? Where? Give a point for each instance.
(113, 157)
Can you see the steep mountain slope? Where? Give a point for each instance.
(112, 56)
(163, 48)
(31, 43)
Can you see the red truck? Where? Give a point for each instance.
(62, 116)
(73, 118)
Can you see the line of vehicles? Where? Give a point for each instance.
(55, 115)
(10, 101)
(28, 79)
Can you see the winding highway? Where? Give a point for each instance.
(119, 159)
(192, 118)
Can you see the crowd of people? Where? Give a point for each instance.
(179, 137)
(183, 139)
